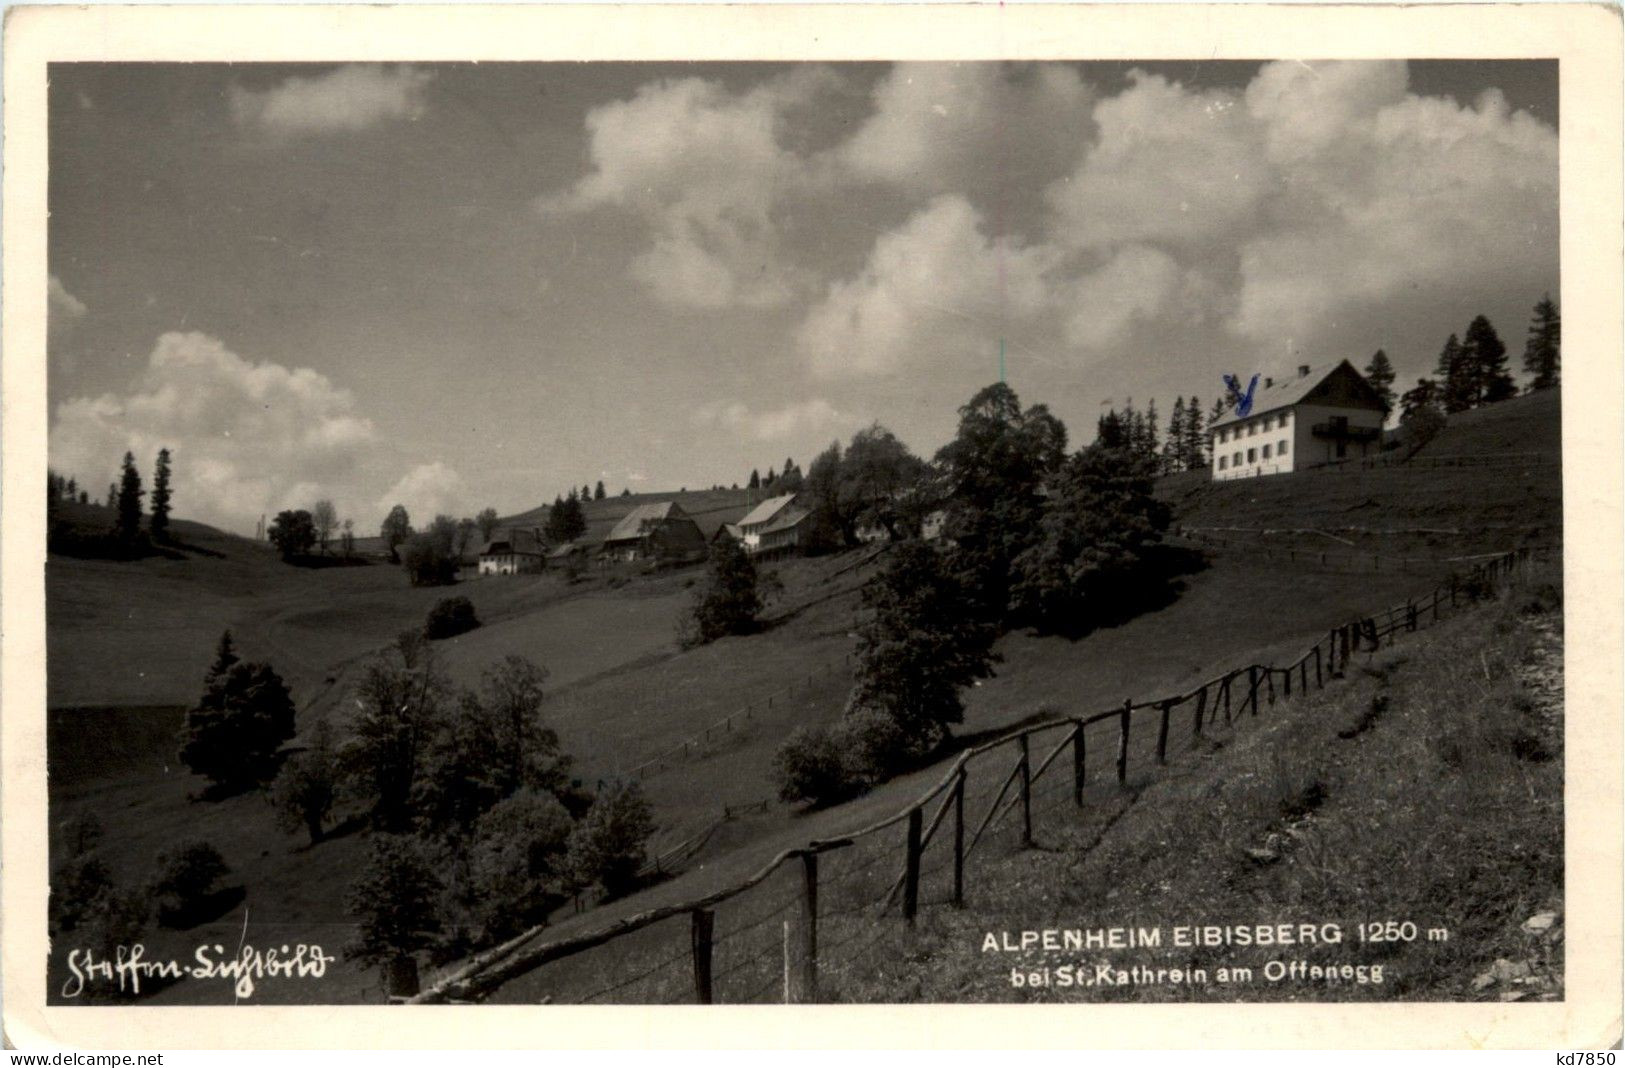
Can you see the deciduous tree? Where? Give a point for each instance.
(396, 528)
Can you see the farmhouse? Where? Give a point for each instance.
(1316, 417)
(519, 552)
(776, 525)
(661, 531)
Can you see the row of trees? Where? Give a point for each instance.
(1472, 370)
(124, 498)
(479, 830)
(1033, 535)
(786, 481)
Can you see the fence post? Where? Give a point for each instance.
(911, 866)
(704, 923)
(1026, 792)
(1320, 682)
(1122, 740)
(802, 977)
(1303, 672)
(1228, 679)
(1162, 733)
(959, 839)
(1201, 710)
(1077, 764)
(1435, 604)
(1252, 687)
(1286, 682)
(1410, 615)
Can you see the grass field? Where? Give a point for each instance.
(129, 643)
(1390, 797)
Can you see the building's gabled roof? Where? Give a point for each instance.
(1285, 392)
(727, 530)
(516, 541)
(766, 510)
(559, 552)
(635, 524)
(786, 519)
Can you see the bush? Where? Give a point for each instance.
(608, 846)
(729, 603)
(518, 865)
(396, 905)
(188, 877)
(449, 618)
(810, 766)
(877, 746)
(429, 560)
(234, 733)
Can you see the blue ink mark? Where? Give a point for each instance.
(1243, 402)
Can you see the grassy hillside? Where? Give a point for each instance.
(1388, 798)
(1516, 500)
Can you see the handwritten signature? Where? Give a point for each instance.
(128, 967)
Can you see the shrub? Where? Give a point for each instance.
(449, 618)
(729, 603)
(77, 885)
(518, 865)
(396, 905)
(810, 766)
(429, 560)
(608, 846)
(188, 877)
(877, 747)
(234, 733)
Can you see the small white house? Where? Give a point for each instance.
(517, 553)
(773, 516)
(1317, 417)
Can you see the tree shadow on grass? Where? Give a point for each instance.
(211, 907)
(1155, 585)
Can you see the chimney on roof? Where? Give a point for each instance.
(1303, 370)
(1268, 382)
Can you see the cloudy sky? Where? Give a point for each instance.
(460, 285)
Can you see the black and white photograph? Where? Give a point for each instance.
(807, 532)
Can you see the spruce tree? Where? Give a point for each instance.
(1173, 444)
(1195, 435)
(159, 524)
(1486, 357)
(1380, 373)
(755, 479)
(1543, 350)
(598, 491)
(128, 524)
(1150, 446)
(1455, 380)
(112, 494)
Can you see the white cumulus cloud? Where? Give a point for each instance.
(350, 98)
(427, 490)
(246, 437)
(62, 302)
(704, 167)
(935, 290)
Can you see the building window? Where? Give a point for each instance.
(1280, 450)
(1222, 461)
(1237, 461)
(1283, 419)
(1224, 436)
(1266, 452)
(1252, 454)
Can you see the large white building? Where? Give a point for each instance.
(1319, 416)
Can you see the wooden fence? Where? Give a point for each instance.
(808, 915)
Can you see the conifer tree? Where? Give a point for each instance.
(598, 491)
(1455, 380)
(755, 479)
(1486, 357)
(1195, 435)
(128, 524)
(1542, 352)
(1173, 444)
(1380, 373)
